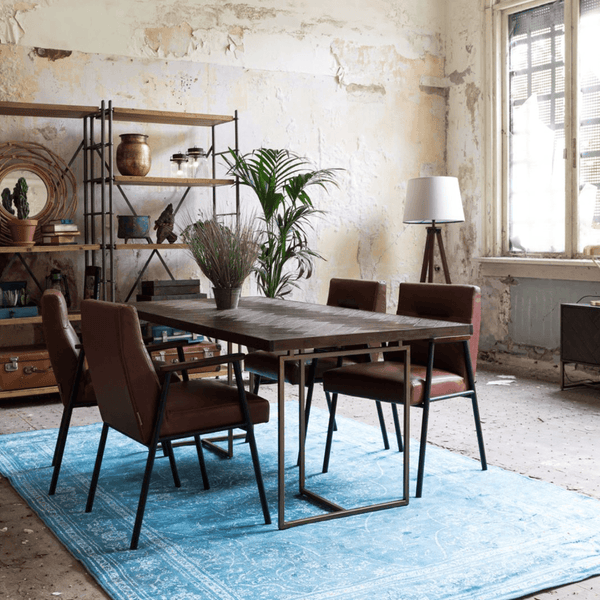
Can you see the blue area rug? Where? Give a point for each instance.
(474, 536)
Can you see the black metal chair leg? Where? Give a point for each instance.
(65, 421)
(471, 380)
(309, 393)
(425, 422)
(168, 448)
(328, 399)
(479, 432)
(422, 449)
(256, 384)
(97, 465)
(62, 432)
(252, 442)
(139, 517)
(332, 410)
(202, 462)
(59, 450)
(386, 443)
(397, 428)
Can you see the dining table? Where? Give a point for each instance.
(305, 331)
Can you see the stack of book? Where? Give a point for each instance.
(61, 231)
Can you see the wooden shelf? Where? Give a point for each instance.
(136, 246)
(59, 111)
(53, 389)
(134, 115)
(171, 181)
(34, 320)
(43, 248)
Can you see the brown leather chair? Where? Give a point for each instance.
(62, 345)
(345, 293)
(71, 373)
(440, 369)
(132, 400)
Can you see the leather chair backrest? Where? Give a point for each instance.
(126, 384)
(446, 302)
(61, 342)
(357, 294)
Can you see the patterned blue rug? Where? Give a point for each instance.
(474, 536)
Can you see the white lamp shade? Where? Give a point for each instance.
(431, 199)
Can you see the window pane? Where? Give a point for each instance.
(536, 195)
(588, 206)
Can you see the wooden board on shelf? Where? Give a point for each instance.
(43, 248)
(134, 115)
(151, 246)
(53, 389)
(34, 320)
(60, 111)
(171, 181)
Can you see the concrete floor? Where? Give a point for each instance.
(530, 426)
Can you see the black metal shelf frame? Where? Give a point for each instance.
(99, 186)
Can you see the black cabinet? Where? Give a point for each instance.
(579, 337)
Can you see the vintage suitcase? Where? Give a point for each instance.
(193, 352)
(161, 333)
(25, 367)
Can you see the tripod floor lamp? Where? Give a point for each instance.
(433, 200)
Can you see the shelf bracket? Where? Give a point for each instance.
(134, 286)
(24, 262)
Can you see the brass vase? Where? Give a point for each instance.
(133, 155)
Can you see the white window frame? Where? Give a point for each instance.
(497, 260)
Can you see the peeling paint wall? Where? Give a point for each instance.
(356, 85)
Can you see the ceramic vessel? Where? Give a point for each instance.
(227, 298)
(23, 231)
(133, 227)
(133, 155)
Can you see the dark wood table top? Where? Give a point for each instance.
(278, 325)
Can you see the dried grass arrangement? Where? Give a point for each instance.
(225, 255)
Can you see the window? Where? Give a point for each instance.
(550, 144)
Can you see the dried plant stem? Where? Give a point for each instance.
(226, 256)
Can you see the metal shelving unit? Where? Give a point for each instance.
(101, 182)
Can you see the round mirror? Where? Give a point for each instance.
(52, 188)
(37, 192)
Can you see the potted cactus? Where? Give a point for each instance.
(21, 227)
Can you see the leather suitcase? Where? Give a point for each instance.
(192, 352)
(25, 367)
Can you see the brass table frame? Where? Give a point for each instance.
(295, 329)
(337, 511)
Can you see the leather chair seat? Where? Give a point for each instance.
(385, 379)
(208, 404)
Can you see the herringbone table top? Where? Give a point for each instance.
(277, 325)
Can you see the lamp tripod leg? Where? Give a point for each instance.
(438, 234)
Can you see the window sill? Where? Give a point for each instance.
(539, 268)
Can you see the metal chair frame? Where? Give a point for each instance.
(425, 405)
(246, 424)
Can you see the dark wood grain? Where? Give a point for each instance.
(277, 325)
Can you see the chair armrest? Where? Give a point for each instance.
(202, 362)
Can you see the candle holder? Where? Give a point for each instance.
(179, 165)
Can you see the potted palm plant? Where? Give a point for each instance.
(280, 179)
(22, 227)
(226, 255)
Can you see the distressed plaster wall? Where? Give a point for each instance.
(356, 85)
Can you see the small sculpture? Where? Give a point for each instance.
(164, 226)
